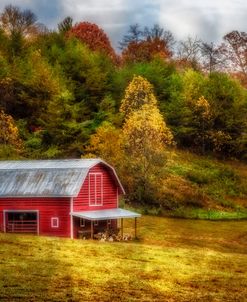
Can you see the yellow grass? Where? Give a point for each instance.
(174, 260)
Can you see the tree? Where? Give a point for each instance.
(211, 56)
(13, 20)
(234, 49)
(145, 133)
(9, 134)
(159, 33)
(189, 52)
(93, 36)
(202, 115)
(145, 136)
(143, 45)
(134, 34)
(65, 25)
(107, 144)
(145, 51)
(18, 26)
(138, 93)
(229, 110)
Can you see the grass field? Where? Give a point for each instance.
(173, 260)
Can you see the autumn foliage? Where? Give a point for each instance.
(93, 36)
(9, 133)
(137, 150)
(145, 51)
(138, 93)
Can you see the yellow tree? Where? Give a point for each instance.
(138, 149)
(107, 144)
(145, 137)
(203, 114)
(9, 134)
(138, 93)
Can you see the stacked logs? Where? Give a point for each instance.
(111, 237)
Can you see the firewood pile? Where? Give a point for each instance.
(111, 237)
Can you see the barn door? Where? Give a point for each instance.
(95, 189)
(21, 222)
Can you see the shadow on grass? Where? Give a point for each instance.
(26, 267)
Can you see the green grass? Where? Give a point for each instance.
(173, 260)
(200, 182)
(207, 214)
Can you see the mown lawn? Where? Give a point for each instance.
(174, 260)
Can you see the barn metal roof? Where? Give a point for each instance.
(46, 178)
(106, 214)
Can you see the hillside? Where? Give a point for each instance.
(203, 187)
(66, 93)
(174, 260)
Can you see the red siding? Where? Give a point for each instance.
(1, 220)
(47, 207)
(110, 191)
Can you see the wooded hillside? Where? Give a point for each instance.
(68, 93)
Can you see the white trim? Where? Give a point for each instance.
(71, 218)
(95, 204)
(53, 219)
(38, 222)
(82, 223)
(117, 198)
(20, 211)
(96, 222)
(114, 172)
(4, 221)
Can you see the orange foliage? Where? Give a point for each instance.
(94, 37)
(145, 51)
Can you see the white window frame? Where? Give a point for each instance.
(14, 211)
(55, 225)
(96, 222)
(95, 174)
(82, 223)
(109, 221)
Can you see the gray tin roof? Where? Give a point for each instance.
(46, 178)
(106, 214)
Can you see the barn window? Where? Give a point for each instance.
(95, 189)
(82, 223)
(96, 223)
(54, 222)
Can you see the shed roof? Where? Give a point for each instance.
(106, 214)
(47, 178)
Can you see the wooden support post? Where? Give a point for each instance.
(135, 227)
(122, 227)
(91, 229)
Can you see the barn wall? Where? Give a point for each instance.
(47, 207)
(110, 192)
(85, 231)
(1, 221)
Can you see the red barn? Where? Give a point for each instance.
(59, 197)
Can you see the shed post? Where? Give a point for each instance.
(91, 229)
(135, 226)
(122, 227)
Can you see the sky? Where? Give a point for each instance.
(208, 20)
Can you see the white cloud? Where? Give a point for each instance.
(209, 20)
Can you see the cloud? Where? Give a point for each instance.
(208, 20)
